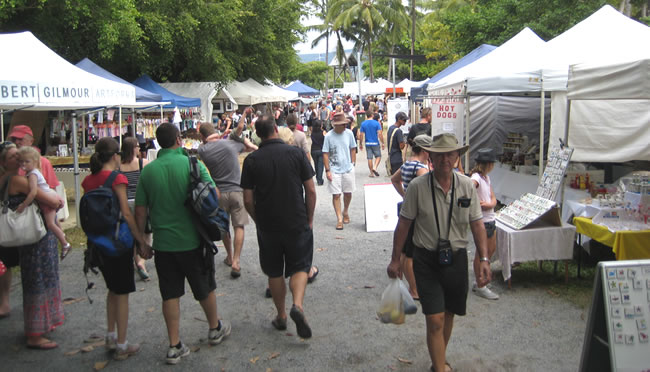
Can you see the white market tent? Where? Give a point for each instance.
(290, 95)
(250, 92)
(378, 87)
(40, 79)
(491, 118)
(605, 35)
(207, 91)
(609, 110)
(407, 84)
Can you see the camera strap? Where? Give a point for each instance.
(451, 204)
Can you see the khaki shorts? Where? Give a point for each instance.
(233, 203)
(342, 183)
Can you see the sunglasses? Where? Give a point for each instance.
(5, 144)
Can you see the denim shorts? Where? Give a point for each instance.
(373, 151)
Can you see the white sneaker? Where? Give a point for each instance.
(484, 292)
(174, 355)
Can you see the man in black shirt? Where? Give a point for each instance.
(423, 127)
(274, 179)
(396, 142)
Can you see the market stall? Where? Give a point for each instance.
(215, 99)
(41, 80)
(302, 89)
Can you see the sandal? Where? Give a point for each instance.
(339, 225)
(142, 272)
(279, 323)
(226, 262)
(447, 368)
(346, 218)
(310, 279)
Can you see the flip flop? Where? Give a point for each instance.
(376, 173)
(313, 277)
(346, 219)
(446, 365)
(339, 226)
(279, 324)
(142, 273)
(235, 273)
(301, 323)
(225, 261)
(44, 346)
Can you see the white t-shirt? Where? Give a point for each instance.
(484, 192)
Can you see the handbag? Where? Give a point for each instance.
(18, 229)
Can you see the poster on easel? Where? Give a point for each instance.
(617, 336)
(556, 166)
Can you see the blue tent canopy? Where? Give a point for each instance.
(141, 95)
(302, 89)
(466, 60)
(147, 83)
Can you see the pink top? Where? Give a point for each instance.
(484, 192)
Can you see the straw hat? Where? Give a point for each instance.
(445, 142)
(340, 119)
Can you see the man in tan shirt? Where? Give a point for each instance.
(445, 206)
(299, 137)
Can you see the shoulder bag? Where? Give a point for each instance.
(19, 229)
(389, 171)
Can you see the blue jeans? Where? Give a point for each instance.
(318, 164)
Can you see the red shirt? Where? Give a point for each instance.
(94, 181)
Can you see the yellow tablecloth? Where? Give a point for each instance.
(626, 245)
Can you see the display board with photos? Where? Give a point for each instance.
(617, 336)
(526, 210)
(556, 166)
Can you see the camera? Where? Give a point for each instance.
(444, 252)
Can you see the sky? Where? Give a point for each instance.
(305, 47)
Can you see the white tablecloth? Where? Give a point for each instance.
(541, 243)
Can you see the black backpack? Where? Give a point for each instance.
(204, 203)
(99, 209)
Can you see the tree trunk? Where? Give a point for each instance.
(327, 62)
(644, 9)
(412, 36)
(372, 74)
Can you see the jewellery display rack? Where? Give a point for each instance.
(528, 209)
(556, 166)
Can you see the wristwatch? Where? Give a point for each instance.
(484, 259)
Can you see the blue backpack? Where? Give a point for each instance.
(102, 221)
(204, 203)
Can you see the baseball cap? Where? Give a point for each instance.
(19, 131)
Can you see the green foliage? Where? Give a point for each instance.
(311, 73)
(192, 40)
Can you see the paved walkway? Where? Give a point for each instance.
(526, 330)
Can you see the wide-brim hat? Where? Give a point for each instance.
(486, 155)
(445, 142)
(340, 119)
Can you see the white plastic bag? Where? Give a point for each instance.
(410, 307)
(391, 308)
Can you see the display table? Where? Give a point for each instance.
(533, 244)
(67, 160)
(626, 245)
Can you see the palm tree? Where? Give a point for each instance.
(365, 18)
(326, 30)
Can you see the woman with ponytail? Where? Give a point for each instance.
(118, 271)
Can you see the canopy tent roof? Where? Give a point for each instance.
(207, 91)
(250, 92)
(470, 57)
(605, 35)
(378, 87)
(302, 89)
(288, 94)
(40, 79)
(521, 48)
(407, 84)
(147, 83)
(140, 94)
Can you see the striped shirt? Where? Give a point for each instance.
(409, 171)
(133, 177)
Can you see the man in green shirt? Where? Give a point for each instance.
(163, 189)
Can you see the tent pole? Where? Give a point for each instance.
(542, 108)
(568, 119)
(133, 122)
(83, 131)
(467, 124)
(75, 154)
(2, 125)
(392, 62)
(359, 80)
(161, 114)
(120, 126)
